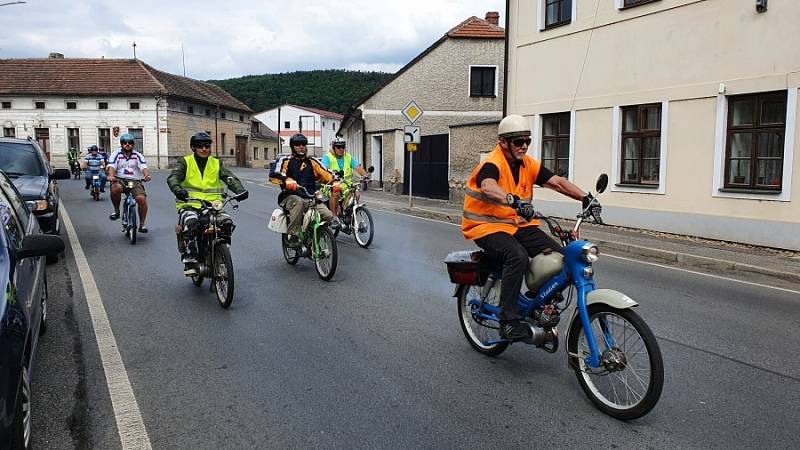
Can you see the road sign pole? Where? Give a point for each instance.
(410, 178)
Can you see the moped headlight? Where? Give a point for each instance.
(217, 205)
(590, 253)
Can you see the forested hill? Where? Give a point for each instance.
(331, 90)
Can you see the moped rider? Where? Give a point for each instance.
(497, 213)
(94, 164)
(295, 171)
(339, 159)
(125, 165)
(199, 176)
(72, 158)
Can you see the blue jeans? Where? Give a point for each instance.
(88, 178)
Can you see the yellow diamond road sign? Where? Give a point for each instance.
(412, 112)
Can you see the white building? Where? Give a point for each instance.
(317, 125)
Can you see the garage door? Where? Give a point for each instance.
(430, 167)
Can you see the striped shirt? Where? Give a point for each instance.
(128, 167)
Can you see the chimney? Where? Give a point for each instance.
(493, 17)
(55, 55)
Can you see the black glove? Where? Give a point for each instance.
(525, 210)
(182, 194)
(594, 210)
(242, 195)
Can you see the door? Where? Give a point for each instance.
(376, 158)
(430, 168)
(43, 138)
(241, 151)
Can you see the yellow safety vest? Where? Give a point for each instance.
(333, 165)
(206, 187)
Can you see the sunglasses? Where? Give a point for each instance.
(340, 147)
(203, 145)
(126, 142)
(521, 141)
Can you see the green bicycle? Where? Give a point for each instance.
(316, 239)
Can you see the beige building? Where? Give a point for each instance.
(264, 143)
(689, 106)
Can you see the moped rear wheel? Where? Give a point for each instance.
(292, 255)
(223, 275)
(362, 227)
(482, 335)
(629, 384)
(325, 262)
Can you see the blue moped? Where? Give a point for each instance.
(612, 351)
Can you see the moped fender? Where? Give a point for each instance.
(610, 297)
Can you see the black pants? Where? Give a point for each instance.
(513, 252)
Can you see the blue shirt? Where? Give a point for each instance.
(94, 163)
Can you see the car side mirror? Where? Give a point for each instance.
(371, 169)
(40, 245)
(61, 174)
(602, 183)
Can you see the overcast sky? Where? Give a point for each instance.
(231, 38)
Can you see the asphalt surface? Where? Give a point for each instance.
(376, 358)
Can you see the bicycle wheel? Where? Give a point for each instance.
(482, 335)
(292, 255)
(628, 384)
(223, 274)
(325, 262)
(132, 223)
(363, 227)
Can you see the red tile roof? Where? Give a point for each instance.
(104, 77)
(477, 28)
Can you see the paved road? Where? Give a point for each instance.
(375, 358)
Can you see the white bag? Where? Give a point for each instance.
(278, 222)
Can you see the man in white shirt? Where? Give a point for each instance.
(126, 165)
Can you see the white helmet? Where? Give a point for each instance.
(513, 126)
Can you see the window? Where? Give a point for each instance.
(6, 105)
(208, 112)
(102, 105)
(557, 13)
(482, 81)
(138, 139)
(555, 143)
(190, 109)
(241, 118)
(222, 114)
(255, 152)
(72, 105)
(222, 142)
(73, 139)
(104, 138)
(9, 132)
(641, 144)
(38, 105)
(630, 3)
(134, 105)
(333, 126)
(286, 125)
(755, 141)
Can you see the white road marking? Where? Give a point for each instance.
(130, 426)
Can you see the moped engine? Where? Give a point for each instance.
(544, 338)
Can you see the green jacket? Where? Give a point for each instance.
(178, 174)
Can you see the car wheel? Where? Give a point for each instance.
(21, 429)
(45, 295)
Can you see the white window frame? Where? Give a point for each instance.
(720, 141)
(541, 15)
(108, 105)
(620, 4)
(10, 103)
(616, 152)
(67, 102)
(138, 103)
(469, 78)
(39, 101)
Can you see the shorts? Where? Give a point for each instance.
(138, 187)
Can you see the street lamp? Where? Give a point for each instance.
(11, 3)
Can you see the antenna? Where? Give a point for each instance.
(134, 50)
(183, 60)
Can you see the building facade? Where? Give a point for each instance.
(265, 145)
(457, 80)
(689, 106)
(318, 125)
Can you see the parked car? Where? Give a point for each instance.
(25, 163)
(23, 313)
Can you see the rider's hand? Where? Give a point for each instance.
(182, 194)
(291, 185)
(525, 210)
(512, 200)
(336, 187)
(242, 195)
(594, 208)
(111, 178)
(147, 178)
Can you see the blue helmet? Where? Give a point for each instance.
(126, 137)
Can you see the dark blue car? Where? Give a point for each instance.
(23, 311)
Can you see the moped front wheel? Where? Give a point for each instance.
(483, 335)
(629, 380)
(223, 275)
(363, 227)
(325, 262)
(132, 223)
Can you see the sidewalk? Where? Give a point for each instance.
(759, 264)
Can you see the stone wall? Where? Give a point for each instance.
(467, 144)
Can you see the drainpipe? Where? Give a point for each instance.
(216, 133)
(505, 63)
(158, 136)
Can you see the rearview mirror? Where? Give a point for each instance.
(40, 245)
(602, 183)
(61, 174)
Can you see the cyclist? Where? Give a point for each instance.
(94, 164)
(299, 170)
(338, 159)
(127, 164)
(497, 213)
(199, 176)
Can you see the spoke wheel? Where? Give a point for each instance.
(21, 430)
(363, 227)
(43, 305)
(325, 262)
(132, 223)
(632, 390)
(292, 255)
(223, 274)
(480, 332)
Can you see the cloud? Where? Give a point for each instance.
(224, 39)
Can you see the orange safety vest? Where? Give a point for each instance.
(482, 215)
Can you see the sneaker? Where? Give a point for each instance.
(113, 216)
(143, 230)
(335, 223)
(189, 270)
(189, 259)
(293, 241)
(514, 330)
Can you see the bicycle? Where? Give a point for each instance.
(130, 210)
(354, 217)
